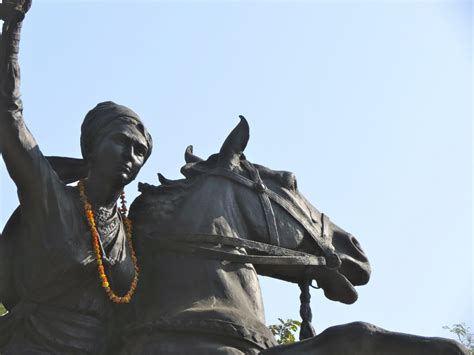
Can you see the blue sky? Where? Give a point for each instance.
(369, 103)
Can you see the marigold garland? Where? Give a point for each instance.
(97, 249)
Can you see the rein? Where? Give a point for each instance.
(272, 255)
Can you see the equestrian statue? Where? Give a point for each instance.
(203, 240)
(179, 274)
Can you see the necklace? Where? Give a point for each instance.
(98, 251)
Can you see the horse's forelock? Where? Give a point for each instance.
(193, 169)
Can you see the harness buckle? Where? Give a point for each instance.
(260, 186)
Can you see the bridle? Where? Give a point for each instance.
(322, 237)
(269, 254)
(266, 253)
(266, 196)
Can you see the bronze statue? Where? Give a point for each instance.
(202, 240)
(62, 271)
(66, 259)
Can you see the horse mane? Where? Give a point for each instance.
(162, 199)
(169, 194)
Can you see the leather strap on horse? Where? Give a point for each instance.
(192, 244)
(266, 204)
(272, 255)
(320, 237)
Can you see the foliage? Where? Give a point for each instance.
(285, 331)
(2, 309)
(464, 335)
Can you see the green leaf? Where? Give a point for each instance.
(464, 335)
(285, 331)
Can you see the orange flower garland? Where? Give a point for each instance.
(97, 249)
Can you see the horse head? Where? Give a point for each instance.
(229, 197)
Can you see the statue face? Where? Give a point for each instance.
(118, 157)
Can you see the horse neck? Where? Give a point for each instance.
(210, 206)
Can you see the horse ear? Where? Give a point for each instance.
(234, 145)
(163, 180)
(189, 157)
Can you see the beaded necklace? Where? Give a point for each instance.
(97, 247)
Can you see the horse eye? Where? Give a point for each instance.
(292, 182)
(289, 181)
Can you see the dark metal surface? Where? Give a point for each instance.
(202, 240)
(48, 272)
(200, 243)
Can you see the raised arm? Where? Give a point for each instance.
(17, 145)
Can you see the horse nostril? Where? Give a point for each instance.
(357, 249)
(356, 243)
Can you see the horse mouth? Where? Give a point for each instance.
(336, 286)
(357, 272)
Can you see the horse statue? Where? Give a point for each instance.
(202, 240)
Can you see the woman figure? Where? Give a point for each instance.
(71, 257)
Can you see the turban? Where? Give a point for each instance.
(102, 118)
(96, 125)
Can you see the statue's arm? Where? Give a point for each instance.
(17, 145)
